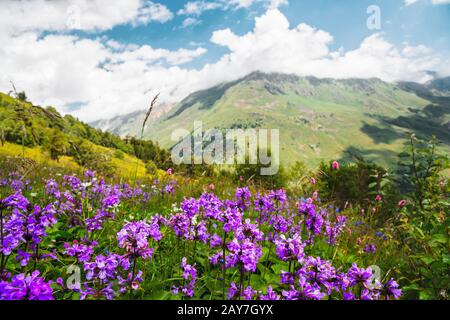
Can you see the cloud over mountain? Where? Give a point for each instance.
(97, 77)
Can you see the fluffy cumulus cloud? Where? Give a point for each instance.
(273, 46)
(104, 78)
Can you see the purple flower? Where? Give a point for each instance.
(89, 174)
(271, 295)
(215, 241)
(391, 290)
(102, 268)
(370, 248)
(279, 197)
(359, 275)
(82, 252)
(105, 291)
(190, 207)
(333, 231)
(248, 293)
(232, 291)
(111, 201)
(290, 249)
(279, 223)
(130, 281)
(242, 196)
(17, 201)
(246, 252)
(24, 287)
(314, 222)
(52, 188)
(249, 230)
(190, 275)
(304, 291)
(134, 238)
(287, 278)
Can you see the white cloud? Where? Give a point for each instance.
(198, 7)
(410, 2)
(46, 15)
(435, 2)
(153, 12)
(189, 22)
(275, 47)
(274, 4)
(111, 78)
(108, 77)
(149, 55)
(242, 3)
(271, 4)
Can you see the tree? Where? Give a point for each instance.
(57, 145)
(22, 96)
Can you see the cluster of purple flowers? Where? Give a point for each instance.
(232, 231)
(26, 287)
(290, 248)
(75, 203)
(190, 275)
(235, 291)
(25, 226)
(82, 252)
(134, 238)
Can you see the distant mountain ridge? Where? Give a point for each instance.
(131, 123)
(319, 119)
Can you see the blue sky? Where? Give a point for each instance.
(102, 58)
(421, 23)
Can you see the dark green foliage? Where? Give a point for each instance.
(57, 144)
(356, 183)
(22, 96)
(147, 150)
(252, 173)
(423, 223)
(420, 169)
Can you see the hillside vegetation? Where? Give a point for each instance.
(43, 135)
(318, 119)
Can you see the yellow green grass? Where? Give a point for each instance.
(127, 166)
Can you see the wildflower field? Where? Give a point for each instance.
(79, 235)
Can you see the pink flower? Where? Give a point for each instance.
(378, 198)
(402, 203)
(336, 165)
(315, 195)
(313, 181)
(169, 171)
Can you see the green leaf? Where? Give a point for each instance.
(439, 238)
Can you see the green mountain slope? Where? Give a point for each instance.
(43, 135)
(318, 119)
